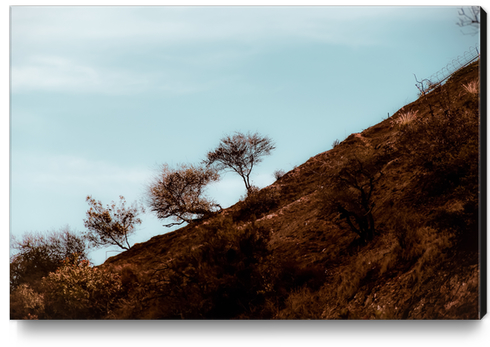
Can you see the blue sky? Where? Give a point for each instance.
(101, 96)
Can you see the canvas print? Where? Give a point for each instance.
(247, 163)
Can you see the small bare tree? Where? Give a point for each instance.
(351, 194)
(178, 193)
(240, 153)
(111, 225)
(470, 17)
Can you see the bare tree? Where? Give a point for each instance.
(351, 194)
(470, 17)
(178, 193)
(111, 225)
(240, 153)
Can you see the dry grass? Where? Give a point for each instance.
(433, 245)
(302, 303)
(352, 277)
(404, 119)
(472, 87)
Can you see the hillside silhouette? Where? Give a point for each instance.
(290, 251)
(385, 225)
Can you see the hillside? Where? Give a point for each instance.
(409, 185)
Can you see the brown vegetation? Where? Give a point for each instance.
(382, 226)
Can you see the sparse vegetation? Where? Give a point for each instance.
(385, 226)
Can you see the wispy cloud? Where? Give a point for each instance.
(116, 50)
(58, 172)
(54, 73)
(179, 25)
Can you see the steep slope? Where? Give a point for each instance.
(420, 168)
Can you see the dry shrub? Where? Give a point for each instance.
(74, 291)
(351, 192)
(25, 303)
(472, 87)
(38, 254)
(278, 174)
(79, 291)
(404, 119)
